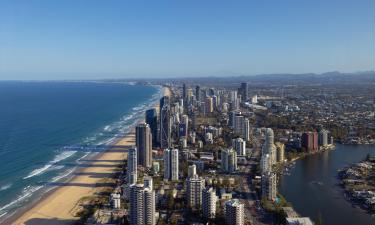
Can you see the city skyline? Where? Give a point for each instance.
(112, 40)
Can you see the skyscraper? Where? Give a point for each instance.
(152, 121)
(194, 188)
(232, 115)
(142, 205)
(184, 93)
(269, 186)
(240, 146)
(143, 141)
(229, 160)
(197, 93)
(247, 130)
(192, 170)
(209, 105)
(209, 199)
(269, 181)
(269, 146)
(265, 163)
(183, 126)
(309, 141)
(323, 138)
(238, 126)
(171, 164)
(241, 126)
(165, 123)
(132, 166)
(244, 91)
(234, 212)
(280, 147)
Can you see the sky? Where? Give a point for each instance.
(95, 39)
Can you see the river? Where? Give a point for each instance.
(313, 189)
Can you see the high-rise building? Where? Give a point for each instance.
(229, 160)
(309, 141)
(265, 163)
(192, 170)
(269, 186)
(247, 130)
(232, 115)
(238, 126)
(171, 164)
(143, 140)
(152, 121)
(142, 205)
(184, 93)
(132, 166)
(240, 146)
(209, 200)
(197, 93)
(116, 200)
(241, 125)
(183, 126)
(194, 187)
(234, 212)
(209, 105)
(244, 91)
(215, 102)
(165, 122)
(280, 148)
(190, 96)
(323, 138)
(269, 146)
(233, 96)
(149, 199)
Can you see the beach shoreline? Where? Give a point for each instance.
(59, 205)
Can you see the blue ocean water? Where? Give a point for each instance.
(43, 126)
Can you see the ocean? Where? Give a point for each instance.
(47, 127)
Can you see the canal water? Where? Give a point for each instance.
(312, 186)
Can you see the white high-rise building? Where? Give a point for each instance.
(149, 211)
(240, 146)
(209, 200)
(269, 179)
(116, 200)
(194, 187)
(247, 130)
(209, 105)
(265, 163)
(233, 96)
(269, 186)
(229, 160)
(171, 164)
(269, 146)
(132, 166)
(142, 205)
(234, 212)
(323, 138)
(192, 170)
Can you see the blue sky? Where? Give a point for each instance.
(75, 39)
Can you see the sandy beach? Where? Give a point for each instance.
(60, 206)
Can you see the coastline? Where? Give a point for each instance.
(59, 205)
